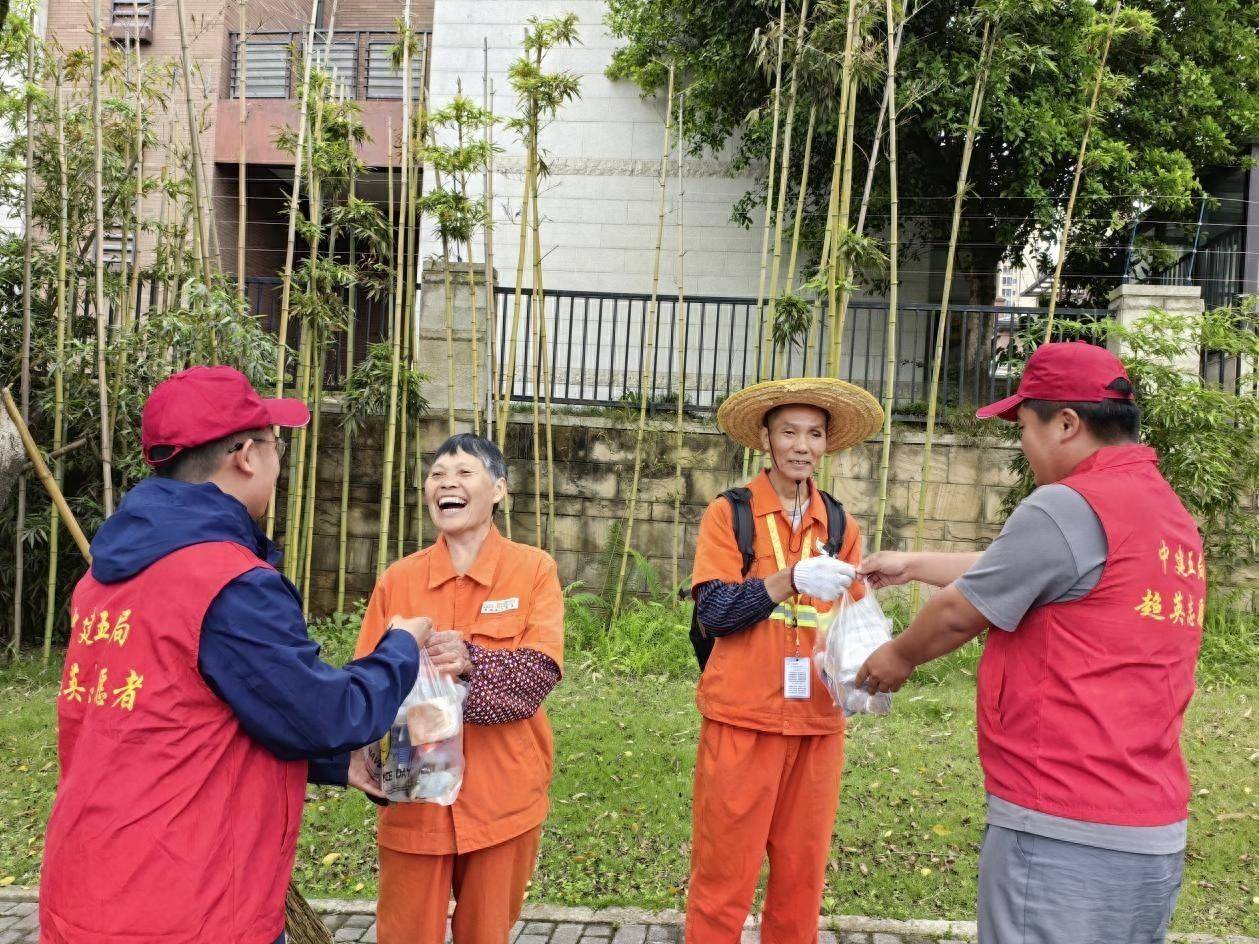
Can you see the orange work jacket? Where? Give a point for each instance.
(509, 599)
(743, 682)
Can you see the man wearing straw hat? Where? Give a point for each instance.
(771, 741)
(1093, 597)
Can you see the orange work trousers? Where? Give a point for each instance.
(488, 886)
(759, 794)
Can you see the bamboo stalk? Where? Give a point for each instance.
(102, 313)
(678, 484)
(542, 374)
(959, 197)
(832, 235)
(517, 298)
(841, 259)
(795, 235)
(59, 399)
(412, 339)
(133, 290)
(297, 468)
(194, 148)
(879, 126)
(28, 219)
(347, 435)
(286, 285)
(242, 58)
(391, 416)
(491, 310)
(889, 346)
(308, 517)
(41, 472)
(784, 173)
(764, 326)
(1079, 172)
(644, 394)
(476, 375)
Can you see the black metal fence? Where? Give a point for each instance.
(1215, 265)
(597, 342)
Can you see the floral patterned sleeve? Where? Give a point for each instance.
(507, 684)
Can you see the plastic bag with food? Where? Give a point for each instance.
(420, 760)
(846, 637)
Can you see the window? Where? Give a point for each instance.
(340, 60)
(266, 70)
(131, 20)
(384, 79)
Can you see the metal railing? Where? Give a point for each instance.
(359, 61)
(596, 343)
(1215, 265)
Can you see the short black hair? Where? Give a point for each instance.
(1110, 421)
(478, 446)
(199, 463)
(768, 418)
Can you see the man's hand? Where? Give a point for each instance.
(360, 774)
(885, 671)
(420, 627)
(449, 652)
(885, 569)
(823, 578)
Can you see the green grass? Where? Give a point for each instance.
(908, 829)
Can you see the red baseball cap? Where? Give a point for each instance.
(1072, 371)
(202, 404)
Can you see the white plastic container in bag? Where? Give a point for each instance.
(420, 760)
(846, 637)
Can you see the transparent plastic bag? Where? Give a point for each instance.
(846, 637)
(420, 760)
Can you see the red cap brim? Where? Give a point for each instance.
(287, 412)
(1007, 409)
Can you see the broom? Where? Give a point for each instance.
(301, 923)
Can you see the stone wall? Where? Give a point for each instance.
(594, 458)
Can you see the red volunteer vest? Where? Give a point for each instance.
(171, 825)
(1080, 708)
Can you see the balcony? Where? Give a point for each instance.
(266, 69)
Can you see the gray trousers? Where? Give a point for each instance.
(1037, 890)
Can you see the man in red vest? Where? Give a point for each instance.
(1093, 596)
(193, 706)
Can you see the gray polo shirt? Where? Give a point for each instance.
(1052, 550)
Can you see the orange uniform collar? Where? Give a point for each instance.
(442, 568)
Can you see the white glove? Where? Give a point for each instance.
(823, 578)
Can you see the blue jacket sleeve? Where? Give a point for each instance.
(256, 655)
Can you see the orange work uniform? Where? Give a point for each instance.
(768, 768)
(482, 848)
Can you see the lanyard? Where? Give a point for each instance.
(781, 560)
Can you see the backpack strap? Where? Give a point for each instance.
(743, 524)
(836, 520)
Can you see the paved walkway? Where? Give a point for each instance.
(546, 924)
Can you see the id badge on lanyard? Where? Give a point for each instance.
(797, 676)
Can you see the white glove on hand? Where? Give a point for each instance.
(823, 578)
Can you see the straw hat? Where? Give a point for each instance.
(854, 413)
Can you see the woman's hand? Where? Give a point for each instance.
(449, 653)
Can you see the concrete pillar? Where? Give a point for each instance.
(1131, 302)
(432, 341)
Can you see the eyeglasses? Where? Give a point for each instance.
(281, 446)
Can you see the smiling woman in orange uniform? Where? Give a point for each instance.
(499, 615)
(771, 742)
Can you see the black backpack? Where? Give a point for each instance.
(744, 528)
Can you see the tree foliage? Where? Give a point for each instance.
(1181, 95)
